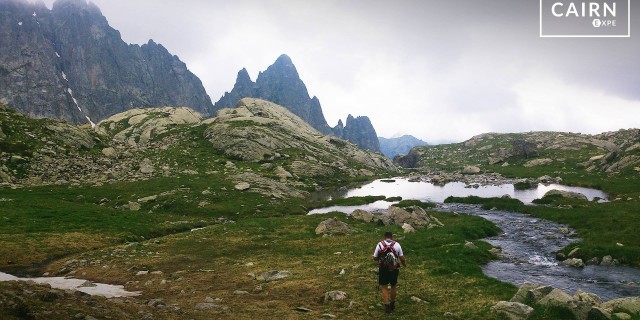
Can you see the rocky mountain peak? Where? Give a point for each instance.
(361, 132)
(88, 71)
(281, 84)
(243, 78)
(77, 5)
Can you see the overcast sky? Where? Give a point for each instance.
(441, 70)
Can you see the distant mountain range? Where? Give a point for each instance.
(68, 63)
(401, 145)
(281, 84)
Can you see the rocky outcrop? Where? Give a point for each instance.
(524, 149)
(68, 63)
(258, 130)
(583, 305)
(401, 145)
(410, 160)
(407, 218)
(281, 84)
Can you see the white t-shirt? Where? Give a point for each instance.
(396, 247)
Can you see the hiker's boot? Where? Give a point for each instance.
(392, 306)
(387, 308)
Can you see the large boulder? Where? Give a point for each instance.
(629, 305)
(407, 228)
(414, 216)
(574, 262)
(471, 170)
(597, 313)
(512, 310)
(362, 215)
(559, 298)
(589, 297)
(566, 194)
(333, 226)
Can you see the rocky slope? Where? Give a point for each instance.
(281, 84)
(402, 145)
(68, 63)
(610, 153)
(139, 144)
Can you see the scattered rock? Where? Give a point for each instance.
(574, 262)
(597, 313)
(621, 316)
(230, 165)
(471, 170)
(240, 292)
(363, 215)
(537, 162)
(303, 309)
(147, 199)
(407, 228)
(591, 298)
(109, 152)
(274, 275)
(206, 306)
(574, 252)
(142, 273)
(242, 186)
(566, 194)
(608, 261)
(333, 226)
(417, 300)
(629, 305)
(512, 310)
(147, 167)
(334, 296)
(470, 245)
(134, 206)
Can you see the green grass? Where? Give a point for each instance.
(441, 271)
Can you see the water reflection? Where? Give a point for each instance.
(426, 191)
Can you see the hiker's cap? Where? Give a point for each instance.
(388, 234)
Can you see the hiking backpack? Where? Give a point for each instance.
(388, 258)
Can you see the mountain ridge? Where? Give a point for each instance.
(392, 147)
(69, 63)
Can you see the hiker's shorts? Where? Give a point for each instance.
(386, 277)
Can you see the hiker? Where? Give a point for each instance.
(389, 255)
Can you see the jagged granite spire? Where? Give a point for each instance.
(68, 63)
(360, 131)
(281, 84)
(243, 88)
